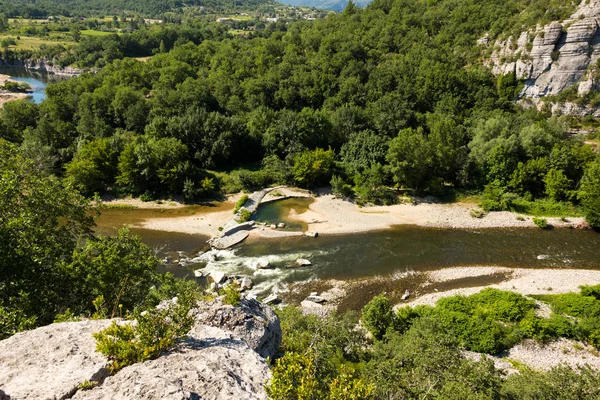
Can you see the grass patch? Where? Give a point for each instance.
(545, 208)
(119, 207)
(34, 43)
(541, 222)
(90, 32)
(240, 203)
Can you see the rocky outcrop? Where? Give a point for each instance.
(557, 56)
(222, 357)
(250, 321)
(208, 365)
(41, 65)
(52, 361)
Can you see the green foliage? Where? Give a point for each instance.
(240, 203)
(245, 215)
(312, 168)
(294, 377)
(119, 268)
(232, 294)
(155, 332)
(589, 193)
(541, 222)
(377, 316)
(475, 213)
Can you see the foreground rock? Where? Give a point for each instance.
(52, 361)
(209, 365)
(223, 357)
(250, 321)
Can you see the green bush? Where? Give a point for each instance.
(377, 316)
(240, 203)
(245, 215)
(475, 213)
(232, 294)
(155, 332)
(541, 222)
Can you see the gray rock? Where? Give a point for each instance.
(311, 234)
(281, 225)
(218, 276)
(209, 366)
(406, 295)
(198, 273)
(246, 283)
(262, 263)
(316, 299)
(250, 321)
(303, 262)
(271, 299)
(52, 361)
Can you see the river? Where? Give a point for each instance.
(403, 248)
(37, 80)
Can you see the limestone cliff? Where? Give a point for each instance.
(554, 57)
(219, 359)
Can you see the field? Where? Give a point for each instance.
(34, 43)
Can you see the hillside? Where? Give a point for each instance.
(147, 8)
(335, 5)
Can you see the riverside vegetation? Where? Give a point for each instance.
(404, 104)
(54, 269)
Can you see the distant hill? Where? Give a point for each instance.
(336, 5)
(44, 8)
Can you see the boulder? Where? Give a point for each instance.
(198, 273)
(209, 365)
(301, 262)
(281, 225)
(52, 361)
(246, 283)
(261, 263)
(316, 299)
(406, 295)
(218, 276)
(271, 299)
(250, 321)
(311, 234)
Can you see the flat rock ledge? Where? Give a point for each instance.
(223, 357)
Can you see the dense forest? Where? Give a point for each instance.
(372, 101)
(147, 8)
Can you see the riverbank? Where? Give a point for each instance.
(203, 219)
(329, 215)
(5, 95)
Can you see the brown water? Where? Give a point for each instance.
(401, 249)
(280, 210)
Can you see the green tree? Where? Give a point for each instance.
(589, 193)
(377, 316)
(312, 168)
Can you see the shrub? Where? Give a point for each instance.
(541, 222)
(232, 294)
(240, 203)
(377, 316)
(245, 215)
(156, 331)
(475, 213)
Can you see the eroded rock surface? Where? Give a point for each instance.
(250, 321)
(554, 57)
(52, 361)
(209, 366)
(223, 357)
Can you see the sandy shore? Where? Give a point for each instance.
(330, 215)
(204, 221)
(521, 280)
(6, 96)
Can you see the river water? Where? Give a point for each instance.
(37, 80)
(398, 250)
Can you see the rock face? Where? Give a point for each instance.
(555, 57)
(50, 362)
(250, 321)
(209, 365)
(222, 358)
